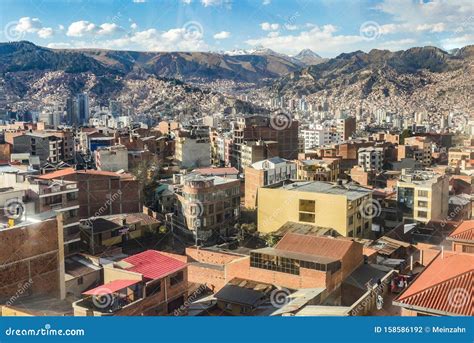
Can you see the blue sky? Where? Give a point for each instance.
(328, 27)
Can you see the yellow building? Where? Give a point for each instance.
(347, 208)
(423, 195)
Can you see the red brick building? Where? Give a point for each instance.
(102, 193)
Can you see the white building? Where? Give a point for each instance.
(371, 159)
(276, 169)
(316, 138)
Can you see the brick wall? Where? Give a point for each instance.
(29, 253)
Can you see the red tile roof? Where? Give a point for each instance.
(68, 171)
(153, 265)
(465, 231)
(57, 174)
(446, 285)
(315, 245)
(111, 287)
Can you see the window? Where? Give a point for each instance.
(307, 217)
(468, 249)
(351, 220)
(307, 206)
(423, 194)
(153, 288)
(422, 203)
(80, 280)
(359, 230)
(275, 263)
(176, 278)
(422, 214)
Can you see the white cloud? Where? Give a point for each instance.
(320, 39)
(59, 45)
(273, 34)
(177, 39)
(432, 16)
(269, 27)
(266, 2)
(290, 27)
(27, 24)
(33, 25)
(133, 26)
(207, 3)
(222, 35)
(109, 29)
(457, 42)
(82, 28)
(187, 2)
(46, 32)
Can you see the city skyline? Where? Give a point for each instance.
(327, 28)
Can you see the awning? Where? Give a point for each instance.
(111, 287)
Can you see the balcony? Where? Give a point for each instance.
(110, 298)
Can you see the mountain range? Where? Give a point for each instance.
(28, 70)
(421, 78)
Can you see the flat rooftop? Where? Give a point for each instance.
(351, 191)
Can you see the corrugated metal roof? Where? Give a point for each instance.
(315, 245)
(153, 265)
(111, 287)
(446, 285)
(464, 231)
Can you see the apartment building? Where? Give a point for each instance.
(102, 192)
(460, 157)
(316, 138)
(330, 205)
(423, 195)
(371, 158)
(418, 148)
(264, 173)
(259, 127)
(346, 127)
(52, 147)
(326, 169)
(253, 151)
(193, 149)
(151, 283)
(207, 205)
(38, 198)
